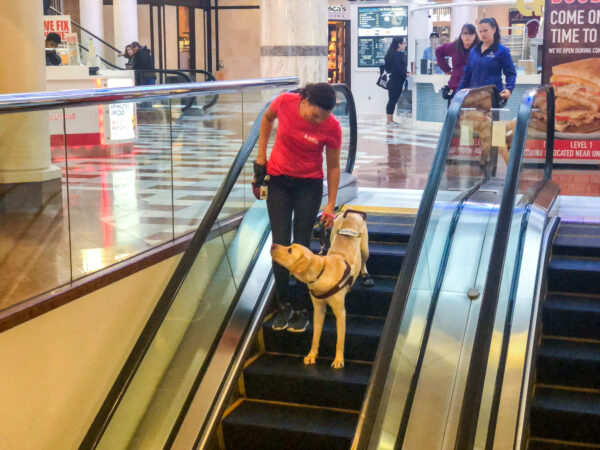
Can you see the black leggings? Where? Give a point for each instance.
(393, 97)
(302, 197)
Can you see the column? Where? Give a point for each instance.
(461, 15)
(126, 23)
(24, 137)
(92, 19)
(293, 39)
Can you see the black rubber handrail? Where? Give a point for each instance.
(137, 354)
(474, 386)
(382, 363)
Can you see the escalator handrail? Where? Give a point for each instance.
(136, 356)
(112, 47)
(474, 386)
(382, 363)
(36, 101)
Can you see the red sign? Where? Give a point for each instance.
(60, 25)
(572, 66)
(580, 149)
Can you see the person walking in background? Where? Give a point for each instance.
(434, 39)
(488, 60)
(128, 55)
(458, 53)
(143, 64)
(305, 128)
(395, 64)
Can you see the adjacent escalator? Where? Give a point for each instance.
(285, 404)
(565, 410)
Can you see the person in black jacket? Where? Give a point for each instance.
(395, 63)
(143, 61)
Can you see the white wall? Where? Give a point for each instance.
(144, 25)
(239, 42)
(171, 37)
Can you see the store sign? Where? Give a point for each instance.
(121, 116)
(377, 27)
(572, 64)
(338, 12)
(57, 24)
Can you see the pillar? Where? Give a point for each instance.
(461, 15)
(24, 137)
(293, 39)
(92, 19)
(126, 23)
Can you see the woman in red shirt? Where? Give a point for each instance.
(295, 188)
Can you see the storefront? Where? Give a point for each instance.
(339, 33)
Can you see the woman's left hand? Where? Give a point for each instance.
(328, 216)
(505, 94)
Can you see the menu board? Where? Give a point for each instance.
(376, 28)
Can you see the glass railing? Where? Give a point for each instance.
(129, 169)
(490, 357)
(149, 400)
(464, 160)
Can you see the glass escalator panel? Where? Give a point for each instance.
(504, 374)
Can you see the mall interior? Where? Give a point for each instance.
(137, 296)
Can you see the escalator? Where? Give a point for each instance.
(413, 377)
(320, 405)
(565, 410)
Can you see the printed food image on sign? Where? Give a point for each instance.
(577, 91)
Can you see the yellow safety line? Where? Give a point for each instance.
(381, 209)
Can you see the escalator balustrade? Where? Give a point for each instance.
(282, 403)
(565, 411)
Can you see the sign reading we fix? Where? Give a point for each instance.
(57, 24)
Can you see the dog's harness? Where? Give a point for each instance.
(347, 277)
(346, 280)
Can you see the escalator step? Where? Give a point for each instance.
(383, 232)
(569, 245)
(264, 426)
(571, 316)
(542, 444)
(569, 363)
(566, 415)
(287, 379)
(362, 338)
(367, 301)
(574, 275)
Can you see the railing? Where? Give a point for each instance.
(535, 122)
(133, 169)
(437, 201)
(124, 414)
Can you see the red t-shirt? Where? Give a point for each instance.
(298, 148)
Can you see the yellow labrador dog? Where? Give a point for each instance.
(330, 277)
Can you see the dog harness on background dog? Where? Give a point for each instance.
(346, 280)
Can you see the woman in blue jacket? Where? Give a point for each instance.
(488, 60)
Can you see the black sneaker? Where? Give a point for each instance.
(298, 322)
(282, 316)
(366, 280)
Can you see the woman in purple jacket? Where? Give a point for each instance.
(458, 52)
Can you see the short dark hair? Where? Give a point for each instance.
(135, 44)
(434, 34)
(319, 94)
(53, 37)
(492, 23)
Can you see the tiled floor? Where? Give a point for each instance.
(119, 205)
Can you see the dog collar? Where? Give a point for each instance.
(320, 273)
(346, 280)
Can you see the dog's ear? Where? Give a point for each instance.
(300, 266)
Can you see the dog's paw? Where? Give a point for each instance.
(338, 363)
(311, 358)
